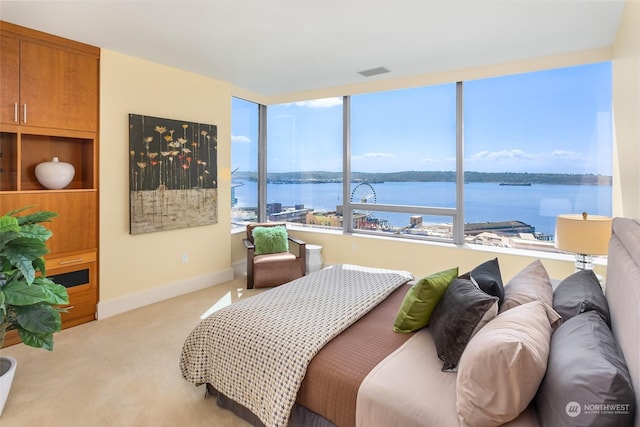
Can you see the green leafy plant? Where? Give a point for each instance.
(29, 301)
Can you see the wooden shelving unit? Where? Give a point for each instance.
(49, 91)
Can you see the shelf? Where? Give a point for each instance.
(39, 148)
(21, 153)
(8, 161)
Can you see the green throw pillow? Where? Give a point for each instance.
(270, 240)
(421, 299)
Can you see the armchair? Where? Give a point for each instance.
(273, 269)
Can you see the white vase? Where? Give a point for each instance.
(7, 370)
(55, 174)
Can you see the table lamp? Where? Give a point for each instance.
(585, 235)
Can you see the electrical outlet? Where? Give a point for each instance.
(185, 257)
(354, 247)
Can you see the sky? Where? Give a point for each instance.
(556, 121)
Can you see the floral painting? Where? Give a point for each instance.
(172, 174)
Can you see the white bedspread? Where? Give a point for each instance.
(409, 389)
(257, 350)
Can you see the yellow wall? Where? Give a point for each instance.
(419, 257)
(423, 258)
(626, 114)
(143, 264)
(131, 264)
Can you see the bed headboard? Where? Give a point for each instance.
(623, 295)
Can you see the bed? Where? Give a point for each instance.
(320, 351)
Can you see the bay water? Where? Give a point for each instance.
(536, 205)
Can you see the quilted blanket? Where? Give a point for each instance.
(256, 351)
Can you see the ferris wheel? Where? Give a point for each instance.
(363, 193)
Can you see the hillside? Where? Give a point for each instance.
(432, 176)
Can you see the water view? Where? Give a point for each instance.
(536, 205)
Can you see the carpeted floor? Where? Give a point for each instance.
(121, 371)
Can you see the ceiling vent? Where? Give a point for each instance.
(373, 72)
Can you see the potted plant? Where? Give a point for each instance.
(29, 302)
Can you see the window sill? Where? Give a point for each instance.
(531, 253)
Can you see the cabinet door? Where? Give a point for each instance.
(59, 88)
(77, 274)
(9, 79)
(76, 226)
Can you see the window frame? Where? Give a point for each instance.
(455, 213)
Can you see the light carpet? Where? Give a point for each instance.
(120, 371)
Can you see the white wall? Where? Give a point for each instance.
(525, 66)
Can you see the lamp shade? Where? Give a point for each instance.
(583, 234)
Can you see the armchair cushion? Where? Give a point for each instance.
(270, 240)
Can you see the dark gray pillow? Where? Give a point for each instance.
(462, 310)
(587, 382)
(578, 293)
(487, 276)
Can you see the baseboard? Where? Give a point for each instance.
(141, 299)
(239, 268)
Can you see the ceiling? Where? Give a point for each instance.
(275, 47)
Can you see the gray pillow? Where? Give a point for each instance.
(461, 312)
(587, 382)
(487, 275)
(578, 293)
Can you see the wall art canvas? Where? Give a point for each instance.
(173, 175)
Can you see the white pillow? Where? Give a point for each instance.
(530, 284)
(503, 365)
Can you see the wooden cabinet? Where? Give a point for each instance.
(78, 273)
(49, 90)
(47, 82)
(76, 226)
(9, 79)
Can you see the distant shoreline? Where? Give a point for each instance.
(322, 177)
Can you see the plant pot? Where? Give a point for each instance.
(7, 370)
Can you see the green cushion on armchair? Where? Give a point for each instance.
(270, 240)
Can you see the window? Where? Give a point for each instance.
(489, 161)
(403, 161)
(536, 145)
(244, 161)
(304, 162)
